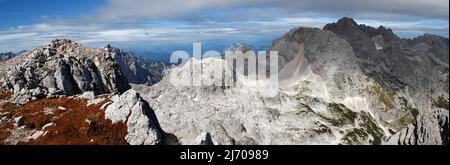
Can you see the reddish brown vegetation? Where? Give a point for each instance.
(77, 124)
(6, 110)
(4, 132)
(5, 95)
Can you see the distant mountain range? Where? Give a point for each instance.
(6, 56)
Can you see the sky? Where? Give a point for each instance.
(166, 25)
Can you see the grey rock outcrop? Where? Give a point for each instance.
(430, 129)
(62, 68)
(142, 126)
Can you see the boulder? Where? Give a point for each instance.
(142, 126)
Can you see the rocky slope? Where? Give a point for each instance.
(413, 73)
(346, 84)
(418, 67)
(429, 129)
(62, 68)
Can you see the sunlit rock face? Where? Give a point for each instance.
(62, 67)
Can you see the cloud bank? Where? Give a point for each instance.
(119, 10)
(166, 22)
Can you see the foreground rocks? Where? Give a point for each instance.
(142, 126)
(430, 129)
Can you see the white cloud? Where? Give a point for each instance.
(26, 37)
(6, 37)
(198, 20)
(133, 10)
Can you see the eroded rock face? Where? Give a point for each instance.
(143, 127)
(413, 74)
(433, 44)
(62, 68)
(430, 129)
(417, 67)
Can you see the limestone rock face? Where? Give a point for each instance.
(433, 44)
(62, 68)
(429, 129)
(412, 73)
(142, 126)
(418, 67)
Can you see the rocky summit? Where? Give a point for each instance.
(62, 67)
(344, 84)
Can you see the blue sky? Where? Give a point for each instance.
(165, 25)
(25, 12)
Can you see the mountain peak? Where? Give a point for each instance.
(238, 47)
(387, 33)
(347, 21)
(381, 27)
(59, 42)
(344, 24)
(107, 47)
